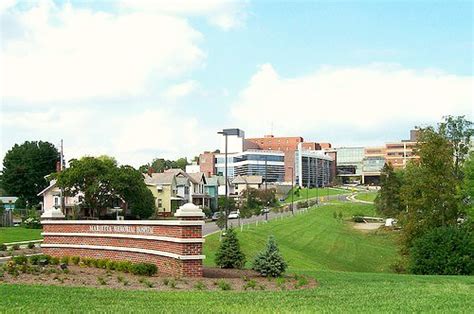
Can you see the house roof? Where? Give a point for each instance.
(8, 199)
(248, 180)
(52, 184)
(182, 180)
(164, 178)
(197, 177)
(213, 181)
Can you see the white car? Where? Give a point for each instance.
(233, 215)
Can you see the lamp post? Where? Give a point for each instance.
(226, 133)
(292, 190)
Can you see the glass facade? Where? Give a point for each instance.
(266, 164)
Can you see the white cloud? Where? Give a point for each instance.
(133, 138)
(373, 97)
(164, 131)
(181, 90)
(226, 14)
(65, 53)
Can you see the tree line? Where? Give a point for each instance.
(433, 199)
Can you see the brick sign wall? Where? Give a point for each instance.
(175, 246)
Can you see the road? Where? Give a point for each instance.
(211, 227)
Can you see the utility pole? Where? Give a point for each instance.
(226, 188)
(61, 168)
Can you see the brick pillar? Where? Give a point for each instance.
(192, 267)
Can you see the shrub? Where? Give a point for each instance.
(31, 245)
(111, 265)
(31, 223)
(15, 247)
(123, 266)
(144, 269)
(444, 251)
(199, 285)
(223, 285)
(64, 260)
(3, 247)
(229, 254)
(54, 261)
(101, 280)
(75, 260)
(251, 284)
(20, 260)
(269, 262)
(101, 263)
(87, 261)
(35, 259)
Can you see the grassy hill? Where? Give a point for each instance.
(366, 196)
(317, 241)
(350, 266)
(313, 193)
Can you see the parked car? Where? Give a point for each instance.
(233, 215)
(215, 216)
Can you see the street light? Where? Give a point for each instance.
(227, 132)
(292, 190)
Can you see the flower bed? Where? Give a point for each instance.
(70, 271)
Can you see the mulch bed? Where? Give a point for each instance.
(21, 251)
(214, 279)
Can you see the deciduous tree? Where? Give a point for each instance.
(24, 169)
(388, 202)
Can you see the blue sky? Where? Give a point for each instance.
(138, 79)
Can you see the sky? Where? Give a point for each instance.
(139, 80)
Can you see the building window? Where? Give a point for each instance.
(159, 203)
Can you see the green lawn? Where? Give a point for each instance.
(366, 196)
(338, 292)
(16, 234)
(317, 241)
(312, 193)
(351, 268)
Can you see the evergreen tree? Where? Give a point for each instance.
(229, 254)
(388, 202)
(269, 262)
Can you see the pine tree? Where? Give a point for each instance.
(269, 262)
(229, 254)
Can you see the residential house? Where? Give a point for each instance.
(241, 183)
(163, 186)
(52, 200)
(8, 202)
(211, 188)
(221, 184)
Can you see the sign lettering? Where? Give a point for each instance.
(121, 229)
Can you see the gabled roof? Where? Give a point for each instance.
(248, 180)
(52, 184)
(197, 177)
(163, 178)
(212, 181)
(182, 180)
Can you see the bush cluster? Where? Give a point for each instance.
(141, 269)
(444, 251)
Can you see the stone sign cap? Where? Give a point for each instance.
(189, 210)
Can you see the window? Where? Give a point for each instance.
(159, 203)
(56, 201)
